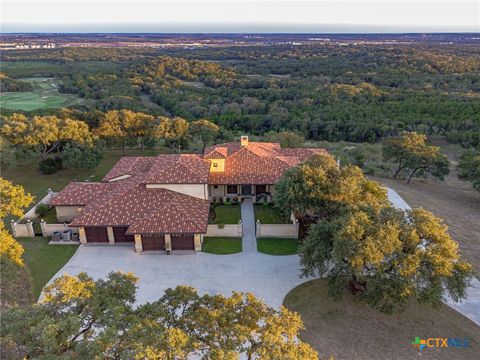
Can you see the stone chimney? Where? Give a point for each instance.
(244, 140)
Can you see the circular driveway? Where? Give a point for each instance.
(266, 276)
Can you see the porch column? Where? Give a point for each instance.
(81, 235)
(197, 240)
(111, 237)
(168, 242)
(138, 243)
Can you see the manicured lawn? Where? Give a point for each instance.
(269, 215)
(222, 245)
(347, 329)
(277, 246)
(225, 214)
(43, 260)
(28, 101)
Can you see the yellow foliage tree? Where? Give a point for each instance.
(13, 199)
(45, 132)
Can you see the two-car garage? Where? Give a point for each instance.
(99, 234)
(150, 242)
(178, 241)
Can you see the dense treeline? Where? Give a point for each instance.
(326, 92)
(12, 85)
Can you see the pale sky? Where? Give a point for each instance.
(240, 16)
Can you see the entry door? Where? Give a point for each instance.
(246, 190)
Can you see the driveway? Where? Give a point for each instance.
(268, 277)
(470, 306)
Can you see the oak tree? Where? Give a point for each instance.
(204, 130)
(81, 317)
(387, 257)
(469, 168)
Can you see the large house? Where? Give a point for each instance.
(163, 202)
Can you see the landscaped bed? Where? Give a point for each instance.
(268, 214)
(225, 214)
(222, 245)
(277, 246)
(43, 260)
(347, 329)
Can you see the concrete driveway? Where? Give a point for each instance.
(268, 277)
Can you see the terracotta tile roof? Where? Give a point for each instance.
(217, 152)
(257, 162)
(79, 193)
(178, 169)
(147, 211)
(130, 166)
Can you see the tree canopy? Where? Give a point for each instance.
(83, 318)
(383, 255)
(469, 168)
(204, 130)
(287, 139)
(46, 133)
(414, 156)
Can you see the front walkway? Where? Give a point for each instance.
(249, 240)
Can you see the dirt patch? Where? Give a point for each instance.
(346, 329)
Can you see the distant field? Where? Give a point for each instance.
(44, 96)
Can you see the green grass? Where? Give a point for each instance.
(277, 246)
(45, 95)
(222, 245)
(226, 214)
(43, 260)
(29, 100)
(269, 215)
(51, 217)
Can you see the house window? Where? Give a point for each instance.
(232, 189)
(215, 164)
(215, 186)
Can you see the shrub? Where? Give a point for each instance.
(42, 210)
(78, 156)
(149, 142)
(50, 165)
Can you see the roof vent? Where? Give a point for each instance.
(244, 140)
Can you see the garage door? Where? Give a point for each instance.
(96, 234)
(182, 242)
(153, 242)
(119, 234)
